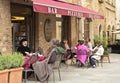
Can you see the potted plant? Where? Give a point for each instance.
(15, 72)
(3, 71)
(12, 63)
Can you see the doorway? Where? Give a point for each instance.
(66, 29)
(23, 25)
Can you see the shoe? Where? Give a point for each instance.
(93, 66)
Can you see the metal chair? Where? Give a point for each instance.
(101, 60)
(29, 70)
(57, 67)
(73, 60)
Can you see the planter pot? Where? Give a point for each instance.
(106, 58)
(15, 75)
(4, 76)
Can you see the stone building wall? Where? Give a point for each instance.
(5, 27)
(110, 16)
(40, 36)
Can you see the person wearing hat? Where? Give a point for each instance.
(23, 48)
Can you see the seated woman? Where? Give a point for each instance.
(82, 52)
(69, 53)
(44, 68)
(97, 53)
(56, 45)
(23, 48)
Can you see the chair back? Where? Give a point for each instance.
(54, 59)
(52, 56)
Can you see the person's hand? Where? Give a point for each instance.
(27, 53)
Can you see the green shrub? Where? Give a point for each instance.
(2, 63)
(106, 52)
(17, 60)
(11, 60)
(104, 41)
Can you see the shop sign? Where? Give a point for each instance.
(75, 13)
(52, 10)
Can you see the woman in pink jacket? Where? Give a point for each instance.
(82, 52)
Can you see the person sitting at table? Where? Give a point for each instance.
(23, 48)
(65, 46)
(82, 52)
(97, 53)
(44, 68)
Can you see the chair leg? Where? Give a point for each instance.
(59, 74)
(35, 77)
(53, 76)
(108, 59)
(71, 61)
(102, 62)
(25, 76)
(97, 62)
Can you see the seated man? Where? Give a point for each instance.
(97, 53)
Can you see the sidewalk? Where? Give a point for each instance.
(109, 73)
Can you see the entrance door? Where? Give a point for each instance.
(66, 29)
(22, 19)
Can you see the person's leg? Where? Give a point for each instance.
(92, 61)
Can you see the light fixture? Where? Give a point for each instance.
(14, 18)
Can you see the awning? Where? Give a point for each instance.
(56, 7)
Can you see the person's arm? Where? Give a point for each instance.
(90, 46)
(100, 52)
(27, 51)
(94, 49)
(20, 50)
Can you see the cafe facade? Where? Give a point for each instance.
(40, 21)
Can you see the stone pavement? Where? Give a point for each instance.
(109, 73)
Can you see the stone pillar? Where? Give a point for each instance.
(73, 31)
(5, 27)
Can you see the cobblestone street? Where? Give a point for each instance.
(109, 73)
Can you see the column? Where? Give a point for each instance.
(5, 27)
